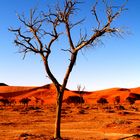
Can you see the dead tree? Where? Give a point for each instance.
(80, 91)
(39, 31)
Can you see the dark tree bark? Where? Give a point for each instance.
(58, 116)
(30, 36)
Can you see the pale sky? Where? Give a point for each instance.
(114, 64)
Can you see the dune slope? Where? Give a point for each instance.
(48, 93)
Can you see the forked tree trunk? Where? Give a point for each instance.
(57, 133)
(60, 92)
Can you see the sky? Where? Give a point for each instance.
(115, 63)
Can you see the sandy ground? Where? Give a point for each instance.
(88, 123)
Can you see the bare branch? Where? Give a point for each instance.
(25, 41)
(83, 37)
(69, 36)
(66, 50)
(77, 23)
(63, 16)
(106, 28)
(109, 10)
(95, 14)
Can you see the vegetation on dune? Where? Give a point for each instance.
(130, 100)
(25, 101)
(7, 101)
(102, 101)
(117, 100)
(75, 100)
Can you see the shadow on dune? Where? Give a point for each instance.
(21, 92)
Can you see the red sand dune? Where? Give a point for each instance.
(48, 93)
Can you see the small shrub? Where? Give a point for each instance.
(82, 111)
(122, 122)
(123, 113)
(136, 135)
(118, 122)
(136, 96)
(119, 107)
(5, 101)
(25, 135)
(117, 100)
(25, 101)
(110, 111)
(102, 101)
(34, 108)
(74, 99)
(130, 100)
(32, 136)
(107, 108)
(123, 89)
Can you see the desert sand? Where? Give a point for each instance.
(87, 121)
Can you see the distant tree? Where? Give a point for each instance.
(102, 101)
(5, 101)
(38, 33)
(117, 100)
(130, 100)
(25, 101)
(75, 100)
(81, 92)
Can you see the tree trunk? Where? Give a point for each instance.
(60, 92)
(57, 133)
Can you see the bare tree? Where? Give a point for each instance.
(38, 34)
(81, 92)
